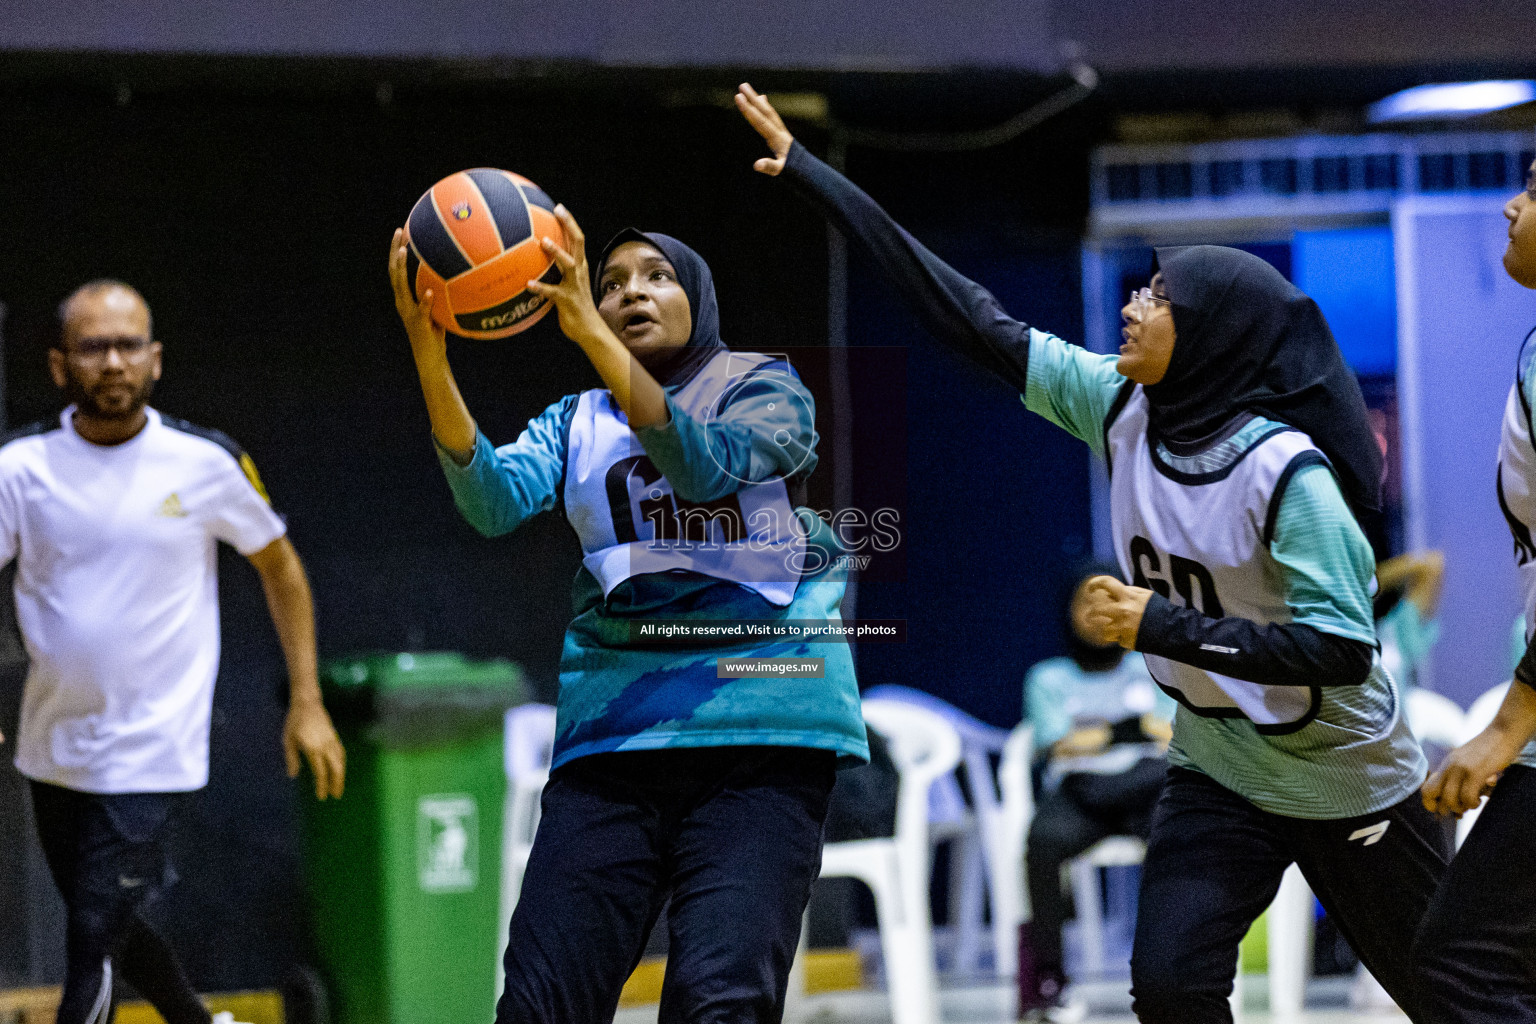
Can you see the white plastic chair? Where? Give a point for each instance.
(1087, 897)
(924, 747)
(978, 858)
(1018, 810)
(1083, 871)
(1435, 718)
(951, 820)
(528, 749)
(1289, 929)
(1478, 717)
(1010, 896)
(1483, 711)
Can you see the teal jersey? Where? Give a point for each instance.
(1060, 696)
(616, 691)
(1357, 755)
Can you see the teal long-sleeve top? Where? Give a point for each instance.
(616, 694)
(502, 487)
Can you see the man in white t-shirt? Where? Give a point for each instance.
(113, 514)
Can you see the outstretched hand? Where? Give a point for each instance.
(754, 106)
(572, 294)
(1115, 610)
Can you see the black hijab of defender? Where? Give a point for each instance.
(1249, 341)
(698, 284)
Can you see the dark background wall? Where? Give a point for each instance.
(898, 35)
(256, 220)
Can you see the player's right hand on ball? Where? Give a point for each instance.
(426, 335)
(754, 106)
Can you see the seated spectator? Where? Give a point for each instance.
(1102, 728)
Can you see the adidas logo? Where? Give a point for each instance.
(172, 507)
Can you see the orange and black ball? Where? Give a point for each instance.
(474, 241)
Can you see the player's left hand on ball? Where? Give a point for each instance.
(1115, 610)
(426, 335)
(572, 294)
(1468, 773)
(308, 735)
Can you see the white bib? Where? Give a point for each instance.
(1202, 541)
(1517, 480)
(630, 522)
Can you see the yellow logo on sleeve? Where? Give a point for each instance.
(254, 477)
(172, 507)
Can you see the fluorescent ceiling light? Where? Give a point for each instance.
(1461, 99)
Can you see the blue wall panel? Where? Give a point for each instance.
(1350, 273)
(1463, 320)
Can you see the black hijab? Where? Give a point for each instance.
(1250, 341)
(1089, 658)
(697, 283)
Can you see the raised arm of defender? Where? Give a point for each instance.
(1074, 389)
(958, 311)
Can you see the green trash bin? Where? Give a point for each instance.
(404, 871)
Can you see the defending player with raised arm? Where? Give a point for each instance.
(1239, 451)
(1477, 945)
(681, 480)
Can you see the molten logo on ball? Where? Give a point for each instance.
(512, 315)
(461, 211)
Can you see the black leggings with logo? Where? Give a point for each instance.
(1214, 863)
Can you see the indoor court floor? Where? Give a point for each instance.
(993, 1004)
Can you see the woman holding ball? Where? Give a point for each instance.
(668, 782)
(1239, 450)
